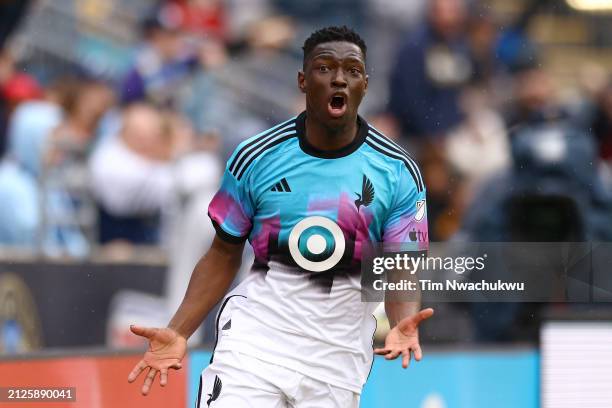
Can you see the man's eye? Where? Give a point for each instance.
(355, 71)
(323, 68)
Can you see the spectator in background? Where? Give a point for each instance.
(163, 63)
(534, 99)
(481, 138)
(20, 88)
(551, 193)
(202, 17)
(429, 72)
(20, 215)
(28, 131)
(15, 87)
(11, 12)
(203, 29)
(602, 123)
(132, 174)
(482, 37)
(309, 13)
(445, 193)
(49, 139)
(31, 123)
(69, 211)
(83, 109)
(433, 67)
(6, 70)
(449, 170)
(514, 48)
(601, 128)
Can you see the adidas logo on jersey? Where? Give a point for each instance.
(282, 186)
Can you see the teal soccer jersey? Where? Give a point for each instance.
(307, 214)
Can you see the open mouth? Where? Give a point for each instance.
(337, 106)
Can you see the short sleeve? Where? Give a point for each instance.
(407, 219)
(231, 209)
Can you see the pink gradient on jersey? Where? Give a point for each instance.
(400, 231)
(224, 207)
(270, 227)
(355, 224)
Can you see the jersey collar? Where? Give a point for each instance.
(362, 132)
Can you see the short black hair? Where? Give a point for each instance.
(333, 33)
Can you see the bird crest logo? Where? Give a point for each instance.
(367, 193)
(215, 392)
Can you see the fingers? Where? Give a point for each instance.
(146, 387)
(418, 353)
(407, 354)
(148, 382)
(389, 354)
(163, 373)
(136, 371)
(147, 332)
(163, 377)
(393, 354)
(405, 358)
(423, 315)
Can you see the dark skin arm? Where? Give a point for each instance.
(210, 280)
(404, 320)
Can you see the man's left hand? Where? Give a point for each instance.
(404, 339)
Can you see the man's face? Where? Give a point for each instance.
(334, 81)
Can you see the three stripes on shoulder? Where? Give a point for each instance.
(259, 144)
(384, 145)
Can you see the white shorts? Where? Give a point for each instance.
(236, 380)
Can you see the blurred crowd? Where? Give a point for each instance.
(93, 160)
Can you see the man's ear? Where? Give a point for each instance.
(367, 77)
(301, 81)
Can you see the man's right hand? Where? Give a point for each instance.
(206, 288)
(166, 350)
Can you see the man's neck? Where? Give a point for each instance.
(324, 138)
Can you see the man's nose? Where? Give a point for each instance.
(338, 79)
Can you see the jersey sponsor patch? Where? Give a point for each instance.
(418, 235)
(316, 244)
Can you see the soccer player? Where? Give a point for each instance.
(308, 194)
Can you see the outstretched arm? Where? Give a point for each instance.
(404, 319)
(396, 311)
(403, 338)
(209, 281)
